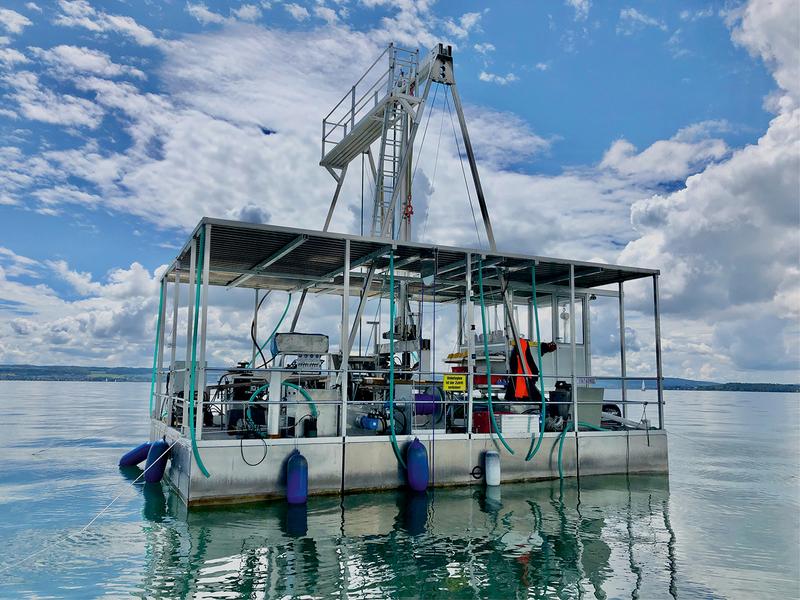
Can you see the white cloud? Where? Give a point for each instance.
(247, 12)
(581, 8)
(542, 66)
(10, 57)
(687, 152)
(299, 13)
(631, 20)
(12, 21)
(326, 14)
(41, 104)
(15, 265)
(77, 59)
(503, 138)
(33, 6)
(499, 79)
(465, 24)
(79, 13)
(703, 13)
(484, 48)
(201, 12)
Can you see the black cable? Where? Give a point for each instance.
(241, 451)
(253, 328)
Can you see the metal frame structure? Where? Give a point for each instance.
(385, 107)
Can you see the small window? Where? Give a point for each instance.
(564, 327)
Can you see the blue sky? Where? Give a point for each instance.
(642, 132)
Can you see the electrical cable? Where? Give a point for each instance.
(253, 330)
(274, 331)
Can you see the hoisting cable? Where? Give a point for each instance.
(191, 399)
(463, 170)
(494, 427)
(543, 406)
(393, 436)
(155, 351)
(433, 177)
(424, 133)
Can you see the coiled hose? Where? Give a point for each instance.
(494, 427)
(312, 405)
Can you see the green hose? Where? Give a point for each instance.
(195, 449)
(305, 394)
(564, 435)
(395, 447)
(158, 339)
(486, 356)
(531, 450)
(274, 331)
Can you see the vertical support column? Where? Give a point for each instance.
(189, 325)
(623, 365)
(659, 372)
(531, 333)
(200, 385)
(255, 330)
(460, 341)
(574, 349)
(344, 337)
(470, 310)
(159, 398)
(174, 345)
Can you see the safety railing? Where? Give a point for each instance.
(365, 94)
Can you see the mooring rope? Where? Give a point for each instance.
(7, 567)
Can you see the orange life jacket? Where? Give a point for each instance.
(521, 383)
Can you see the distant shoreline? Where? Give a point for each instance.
(142, 374)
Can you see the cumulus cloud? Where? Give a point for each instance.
(12, 21)
(79, 59)
(484, 48)
(581, 8)
(465, 24)
(632, 20)
(498, 79)
(299, 13)
(79, 13)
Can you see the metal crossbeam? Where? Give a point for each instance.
(298, 241)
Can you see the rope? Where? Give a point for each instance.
(91, 522)
(433, 177)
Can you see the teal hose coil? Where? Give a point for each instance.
(275, 330)
(158, 340)
(495, 428)
(543, 411)
(195, 449)
(563, 435)
(393, 436)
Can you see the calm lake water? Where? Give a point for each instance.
(724, 524)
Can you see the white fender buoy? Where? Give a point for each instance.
(492, 468)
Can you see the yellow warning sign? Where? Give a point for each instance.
(455, 383)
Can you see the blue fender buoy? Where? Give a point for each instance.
(296, 478)
(135, 456)
(417, 462)
(156, 461)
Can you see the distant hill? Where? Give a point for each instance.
(72, 373)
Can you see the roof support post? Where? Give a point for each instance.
(174, 345)
(189, 326)
(470, 341)
(623, 367)
(659, 371)
(344, 339)
(255, 328)
(201, 369)
(156, 407)
(573, 370)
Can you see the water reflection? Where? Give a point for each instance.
(610, 537)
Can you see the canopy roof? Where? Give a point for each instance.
(283, 258)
